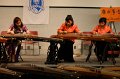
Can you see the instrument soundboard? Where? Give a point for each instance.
(106, 37)
(30, 37)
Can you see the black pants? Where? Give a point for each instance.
(65, 51)
(101, 50)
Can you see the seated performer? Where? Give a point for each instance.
(65, 51)
(16, 28)
(101, 29)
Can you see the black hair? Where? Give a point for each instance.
(102, 20)
(69, 17)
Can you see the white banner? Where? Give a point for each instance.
(35, 12)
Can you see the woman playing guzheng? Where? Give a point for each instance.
(16, 28)
(65, 51)
(101, 29)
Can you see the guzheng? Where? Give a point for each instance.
(30, 37)
(42, 71)
(92, 71)
(9, 72)
(18, 36)
(106, 37)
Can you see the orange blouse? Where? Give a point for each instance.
(101, 30)
(72, 29)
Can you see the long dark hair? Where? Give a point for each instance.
(69, 17)
(16, 19)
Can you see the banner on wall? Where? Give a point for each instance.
(111, 13)
(35, 12)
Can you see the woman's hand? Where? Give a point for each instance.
(10, 32)
(62, 32)
(95, 33)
